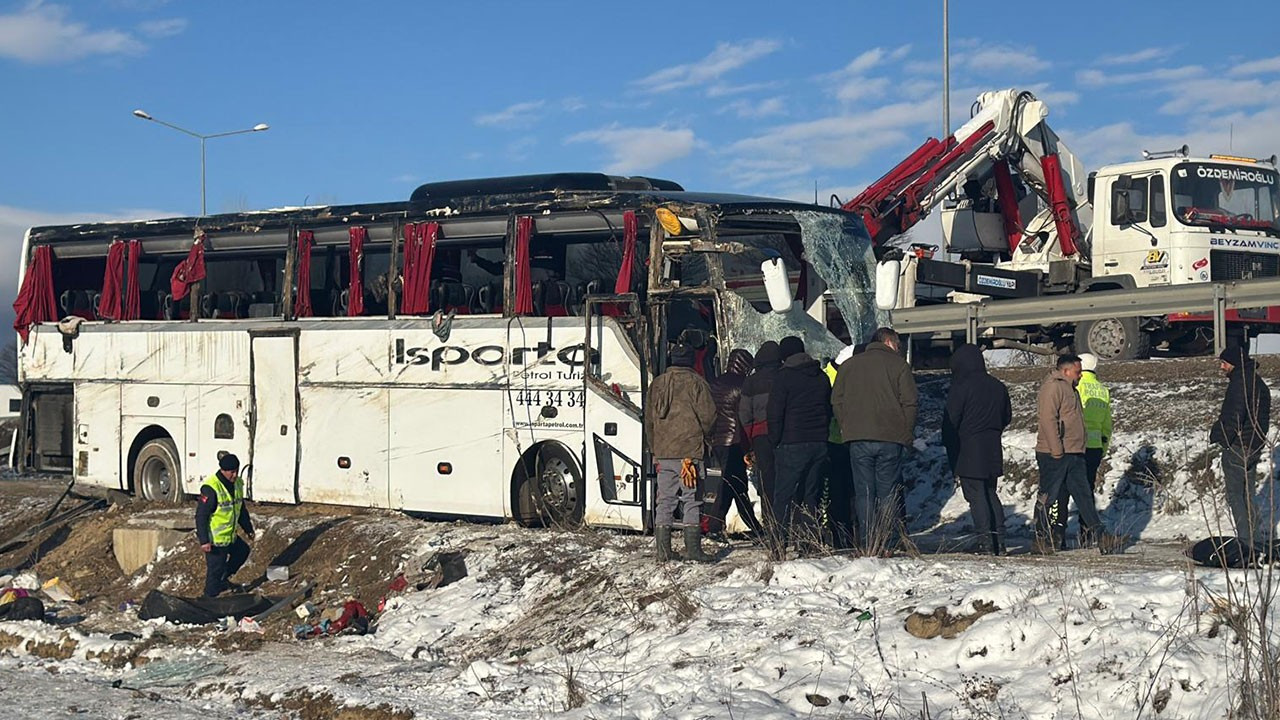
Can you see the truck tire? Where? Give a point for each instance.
(156, 472)
(1113, 339)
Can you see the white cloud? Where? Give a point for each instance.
(1000, 60)
(40, 33)
(1140, 56)
(1098, 78)
(1214, 94)
(638, 148)
(573, 104)
(756, 109)
(724, 59)
(519, 114)
(1257, 67)
(163, 28)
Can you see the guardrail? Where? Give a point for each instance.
(973, 318)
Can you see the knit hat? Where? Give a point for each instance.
(229, 462)
(767, 355)
(1088, 361)
(682, 356)
(789, 346)
(1234, 353)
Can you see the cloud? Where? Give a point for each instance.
(163, 28)
(520, 114)
(1000, 60)
(852, 83)
(756, 109)
(1098, 78)
(1257, 67)
(638, 148)
(44, 34)
(724, 59)
(1141, 56)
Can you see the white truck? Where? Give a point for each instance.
(1021, 219)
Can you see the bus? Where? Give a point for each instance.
(481, 350)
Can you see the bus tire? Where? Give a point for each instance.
(156, 473)
(556, 486)
(1113, 339)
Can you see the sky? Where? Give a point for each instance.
(749, 96)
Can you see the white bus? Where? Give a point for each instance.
(501, 372)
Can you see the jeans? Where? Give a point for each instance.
(672, 494)
(1059, 513)
(988, 512)
(733, 489)
(876, 468)
(1057, 475)
(800, 469)
(221, 563)
(1240, 475)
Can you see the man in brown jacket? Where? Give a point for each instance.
(678, 417)
(875, 402)
(1060, 441)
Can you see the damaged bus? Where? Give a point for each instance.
(481, 350)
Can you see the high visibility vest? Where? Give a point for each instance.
(222, 524)
(1096, 400)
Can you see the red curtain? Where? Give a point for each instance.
(355, 289)
(629, 228)
(303, 307)
(132, 304)
(419, 253)
(189, 271)
(112, 283)
(35, 298)
(524, 278)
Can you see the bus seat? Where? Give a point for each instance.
(77, 303)
(552, 298)
(340, 303)
(489, 298)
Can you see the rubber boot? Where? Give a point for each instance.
(693, 546)
(662, 535)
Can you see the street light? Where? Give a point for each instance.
(143, 114)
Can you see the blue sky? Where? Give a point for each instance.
(366, 103)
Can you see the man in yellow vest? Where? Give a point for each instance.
(1095, 399)
(219, 510)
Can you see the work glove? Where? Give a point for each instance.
(689, 473)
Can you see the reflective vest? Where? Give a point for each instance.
(1096, 399)
(222, 524)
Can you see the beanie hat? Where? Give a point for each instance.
(1234, 353)
(789, 346)
(682, 355)
(228, 462)
(767, 355)
(1088, 361)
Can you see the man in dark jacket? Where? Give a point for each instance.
(1241, 431)
(875, 403)
(219, 511)
(976, 415)
(728, 444)
(799, 417)
(678, 417)
(753, 412)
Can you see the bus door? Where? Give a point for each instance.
(273, 457)
(618, 491)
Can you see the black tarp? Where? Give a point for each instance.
(23, 608)
(1226, 551)
(200, 611)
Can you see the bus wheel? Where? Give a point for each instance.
(557, 485)
(155, 472)
(1113, 339)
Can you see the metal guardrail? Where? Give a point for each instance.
(973, 318)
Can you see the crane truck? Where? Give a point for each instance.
(1022, 219)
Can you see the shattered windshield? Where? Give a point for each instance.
(838, 251)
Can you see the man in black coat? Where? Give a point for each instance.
(1241, 431)
(728, 445)
(799, 418)
(976, 415)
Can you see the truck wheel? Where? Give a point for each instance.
(155, 473)
(1113, 339)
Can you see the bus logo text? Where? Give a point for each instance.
(488, 355)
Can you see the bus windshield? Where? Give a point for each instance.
(1226, 196)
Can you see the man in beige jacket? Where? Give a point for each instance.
(1060, 444)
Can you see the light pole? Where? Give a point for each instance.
(256, 128)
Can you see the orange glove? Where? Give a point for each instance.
(689, 473)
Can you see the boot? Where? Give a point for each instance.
(662, 536)
(1109, 544)
(997, 545)
(693, 546)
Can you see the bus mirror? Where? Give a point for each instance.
(776, 284)
(888, 273)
